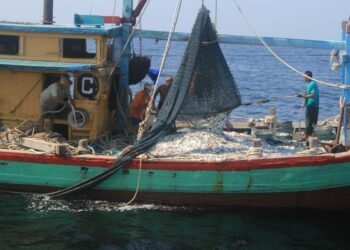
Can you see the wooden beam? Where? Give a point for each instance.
(37, 144)
(41, 145)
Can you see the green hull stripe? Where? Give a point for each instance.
(253, 181)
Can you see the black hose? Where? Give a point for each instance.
(125, 158)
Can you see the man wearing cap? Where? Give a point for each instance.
(139, 105)
(51, 98)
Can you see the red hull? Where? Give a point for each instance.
(332, 199)
(170, 164)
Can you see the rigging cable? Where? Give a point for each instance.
(143, 125)
(92, 6)
(337, 85)
(140, 38)
(115, 4)
(216, 14)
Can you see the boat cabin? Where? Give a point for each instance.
(34, 56)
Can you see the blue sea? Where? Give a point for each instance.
(27, 222)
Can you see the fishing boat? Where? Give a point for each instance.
(96, 57)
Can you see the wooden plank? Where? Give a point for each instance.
(41, 145)
(37, 144)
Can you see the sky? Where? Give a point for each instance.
(308, 19)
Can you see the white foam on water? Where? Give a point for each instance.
(43, 205)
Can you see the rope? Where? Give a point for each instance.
(143, 125)
(269, 100)
(299, 118)
(140, 39)
(128, 40)
(10, 139)
(336, 85)
(138, 184)
(216, 14)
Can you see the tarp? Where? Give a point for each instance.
(44, 65)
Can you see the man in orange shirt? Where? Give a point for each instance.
(139, 105)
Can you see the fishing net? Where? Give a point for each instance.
(204, 85)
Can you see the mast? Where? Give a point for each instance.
(48, 12)
(345, 77)
(124, 61)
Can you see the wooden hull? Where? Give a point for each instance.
(321, 182)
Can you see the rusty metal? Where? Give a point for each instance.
(343, 25)
(337, 138)
(48, 12)
(138, 8)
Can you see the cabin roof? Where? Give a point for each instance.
(65, 29)
(44, 65)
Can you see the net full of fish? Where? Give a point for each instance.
(214, 145)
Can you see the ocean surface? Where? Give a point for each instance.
(28, 222)
(260, 76)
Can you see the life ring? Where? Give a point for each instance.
(78, 118)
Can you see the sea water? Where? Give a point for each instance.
(28, 222)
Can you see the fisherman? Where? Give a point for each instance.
(51, 98)
(311, 103)
(139, 105)
(163, 91)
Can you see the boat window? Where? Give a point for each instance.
(9, 45)
(79, 48)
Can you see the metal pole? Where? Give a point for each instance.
(346, 80)
(48, 12)
(124, 62)
(123, 104)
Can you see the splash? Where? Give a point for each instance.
(44, 205)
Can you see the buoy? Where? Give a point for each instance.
(78, 118)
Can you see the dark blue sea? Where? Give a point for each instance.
(27, 222)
